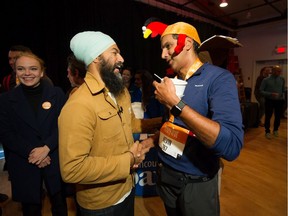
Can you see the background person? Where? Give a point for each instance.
(273, 89)
(210, 111)
(128, 80)
(10, 81)
(28, 119)
(145, 108)
(76, 72)
(265, 71)
(150, 105)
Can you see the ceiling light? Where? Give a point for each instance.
(223, 3)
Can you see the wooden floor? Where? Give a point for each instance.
(255, 184)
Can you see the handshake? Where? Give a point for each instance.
(138, 151)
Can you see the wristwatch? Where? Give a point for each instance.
(177, 109)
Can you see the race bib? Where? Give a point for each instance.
(172, 139)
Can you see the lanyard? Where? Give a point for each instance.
(195, 66)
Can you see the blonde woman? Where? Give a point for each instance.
(28, 119)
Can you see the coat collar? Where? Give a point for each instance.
(94, 82)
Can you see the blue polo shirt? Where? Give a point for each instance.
(213, 93)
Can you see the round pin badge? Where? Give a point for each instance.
(46, 105)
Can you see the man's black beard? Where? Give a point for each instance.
(113, 82)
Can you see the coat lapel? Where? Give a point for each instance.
(24, 111)
(22, 108)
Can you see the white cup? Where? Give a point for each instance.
(180, 86)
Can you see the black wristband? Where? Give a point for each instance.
(177, 109)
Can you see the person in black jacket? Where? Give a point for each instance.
(29, 130)
(259, 97)
(10, 81)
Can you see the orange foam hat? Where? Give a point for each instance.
(182, 28)
(154, 27)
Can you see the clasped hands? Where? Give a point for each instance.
(39, 156)
(138, 150)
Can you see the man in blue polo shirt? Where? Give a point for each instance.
(203, 126)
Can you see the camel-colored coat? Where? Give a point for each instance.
(94, 134)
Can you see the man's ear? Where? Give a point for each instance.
(188, 43)
(96, 60)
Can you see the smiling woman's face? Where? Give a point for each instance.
(28, 70)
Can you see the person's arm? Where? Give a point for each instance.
(283, 88)
(145, 125)
(205, 129)
(257, 87)
(224, 131)
(87, 161)
(9, 134)
(150, 142)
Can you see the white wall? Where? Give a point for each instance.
(259, 43)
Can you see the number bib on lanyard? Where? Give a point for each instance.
(172, 139)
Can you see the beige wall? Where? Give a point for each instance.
(259, 43)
